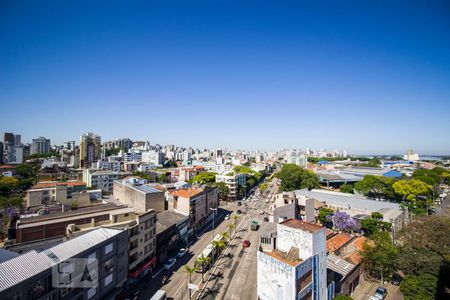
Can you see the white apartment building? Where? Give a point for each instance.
(410, 155)
(132, 156)
(100, 179)
(297, 267)
(233, 181)
(153, 157)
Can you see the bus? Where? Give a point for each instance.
(159, 295)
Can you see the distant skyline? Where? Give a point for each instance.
(369, 77)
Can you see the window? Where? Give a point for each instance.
(108, 279)
(91, 293)
(109, 248)
(109, 265)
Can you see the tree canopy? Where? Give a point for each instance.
(376, 186)
(379, 256)
(204, 178)
(294, 177)
(424, 257)
(415, 193)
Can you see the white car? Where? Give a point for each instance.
(182, 252)
(169, 264)
(227, 217)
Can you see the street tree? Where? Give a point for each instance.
(189, 271)
(415, 193)
(203, 261)
(230, 228)
(346, 188)
(379, 256)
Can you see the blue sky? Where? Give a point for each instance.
(366, 76)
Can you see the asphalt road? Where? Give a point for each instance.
(235, 275)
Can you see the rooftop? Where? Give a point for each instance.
(339, 265)
(22, 267)
(299, 224)
(48, 184)
(281, 256)
(186, 193)
(338, 241)
(347, 201)
(168, 218)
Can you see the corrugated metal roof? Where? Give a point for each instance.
(22, 267)
(339, 265)
(77, 245)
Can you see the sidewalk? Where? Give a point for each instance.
(366, 289)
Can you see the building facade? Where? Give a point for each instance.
(196, 202)
(40, 145)
(296, 269)
(31, 275)
(90, 149)
(138, 194)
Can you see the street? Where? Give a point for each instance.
(235, 268)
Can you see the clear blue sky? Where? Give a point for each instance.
(367, 76)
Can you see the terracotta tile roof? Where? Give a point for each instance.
(338, 241)
(186, 193)
(359, 241)
(294, 223)
(43, 185)
(277, 254)
(7, 167)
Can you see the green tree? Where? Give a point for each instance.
(379, 256)
(263, 186)
(342, 297)
(222, 189)
(346, 188)
(25, 170)
(203, 261)
(374, 162)
(204, 178)
(294, 177)
(170, 164)
(421, 287)
(370, 226)
(230, 228)
(8, 184)
(324, 212)
(376, 186)
(189, 271)
(415, 193)
(163, 178)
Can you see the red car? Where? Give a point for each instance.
(246, 244)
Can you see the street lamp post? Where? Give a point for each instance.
(214, 218)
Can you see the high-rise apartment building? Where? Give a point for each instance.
(13, 152)
(40, 145)
(90, 149)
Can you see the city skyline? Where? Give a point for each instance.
(214, 75)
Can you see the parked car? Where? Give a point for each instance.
(182, 252)
(227, 217)
(396, 280)
(246, 243)
(239, 203)
(238, 211)
(261, 212)
(381, 293)
(266, 219)
(169, 263)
